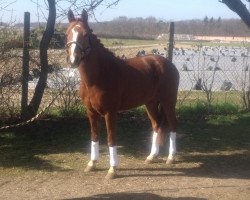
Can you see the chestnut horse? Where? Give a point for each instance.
(110, 84)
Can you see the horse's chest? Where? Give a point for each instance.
(101, 102)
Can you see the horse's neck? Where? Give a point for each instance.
(96, 65)
(89, 71)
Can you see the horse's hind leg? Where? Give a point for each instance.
(153, 114)
(169, 110)
(94, 120)
(110, 119)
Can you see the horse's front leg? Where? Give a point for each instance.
(94, 120)
(110, 119)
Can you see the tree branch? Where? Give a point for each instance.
(238, 7)
(4, 5)
(78, 5)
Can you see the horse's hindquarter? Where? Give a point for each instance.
(140, 80)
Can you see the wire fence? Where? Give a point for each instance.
(210, 74)
(219, 74)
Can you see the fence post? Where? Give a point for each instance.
(171, 41)
(25, 67)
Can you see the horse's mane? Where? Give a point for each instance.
(108, 54)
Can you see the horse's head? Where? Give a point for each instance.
(77, 34)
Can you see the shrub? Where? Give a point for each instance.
(74, 112)
(224, 108)
(200, 110)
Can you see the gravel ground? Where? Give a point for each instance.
(194, 176)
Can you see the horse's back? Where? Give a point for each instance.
(146, 78)
(156, 61)
(155, 65)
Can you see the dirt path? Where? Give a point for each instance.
(194, 176)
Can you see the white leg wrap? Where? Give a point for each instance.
(155, 146)
(113, 156)
(94, 150)
(172, 145)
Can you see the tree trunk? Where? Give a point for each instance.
(44, 45)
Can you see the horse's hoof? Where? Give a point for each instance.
(111, 173)
(147, 161)
(170, 161)
(89, 169)
(150, 159)
(91, 166)
(110, 176)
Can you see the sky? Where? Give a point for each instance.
(169, 10)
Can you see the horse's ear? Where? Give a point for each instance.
(84, 15)
(71, 16)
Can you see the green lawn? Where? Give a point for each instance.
(109, 42)
(212, 44)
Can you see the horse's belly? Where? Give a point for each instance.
(137, 98)
(130, 106)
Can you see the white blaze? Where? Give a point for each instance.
(73, 46)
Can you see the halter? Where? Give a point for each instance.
(84, 52)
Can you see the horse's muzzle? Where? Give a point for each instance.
(74, 64)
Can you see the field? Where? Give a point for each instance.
(128, 42)
(45, 160)
(108, 42)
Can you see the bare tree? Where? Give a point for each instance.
(238, 7)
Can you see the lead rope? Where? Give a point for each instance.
(36, 116)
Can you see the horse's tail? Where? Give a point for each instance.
(163, 126)
(167, 120)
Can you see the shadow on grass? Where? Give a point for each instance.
(209, 166)
(129, 196)
(220, 133)
(21, 147)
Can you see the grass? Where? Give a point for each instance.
(210, 44)
(201, 110)
(73, 112)
(192, 110)
(187, 98)
(109, 42)
(221, 133)
(189, 105)
(62, 145)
